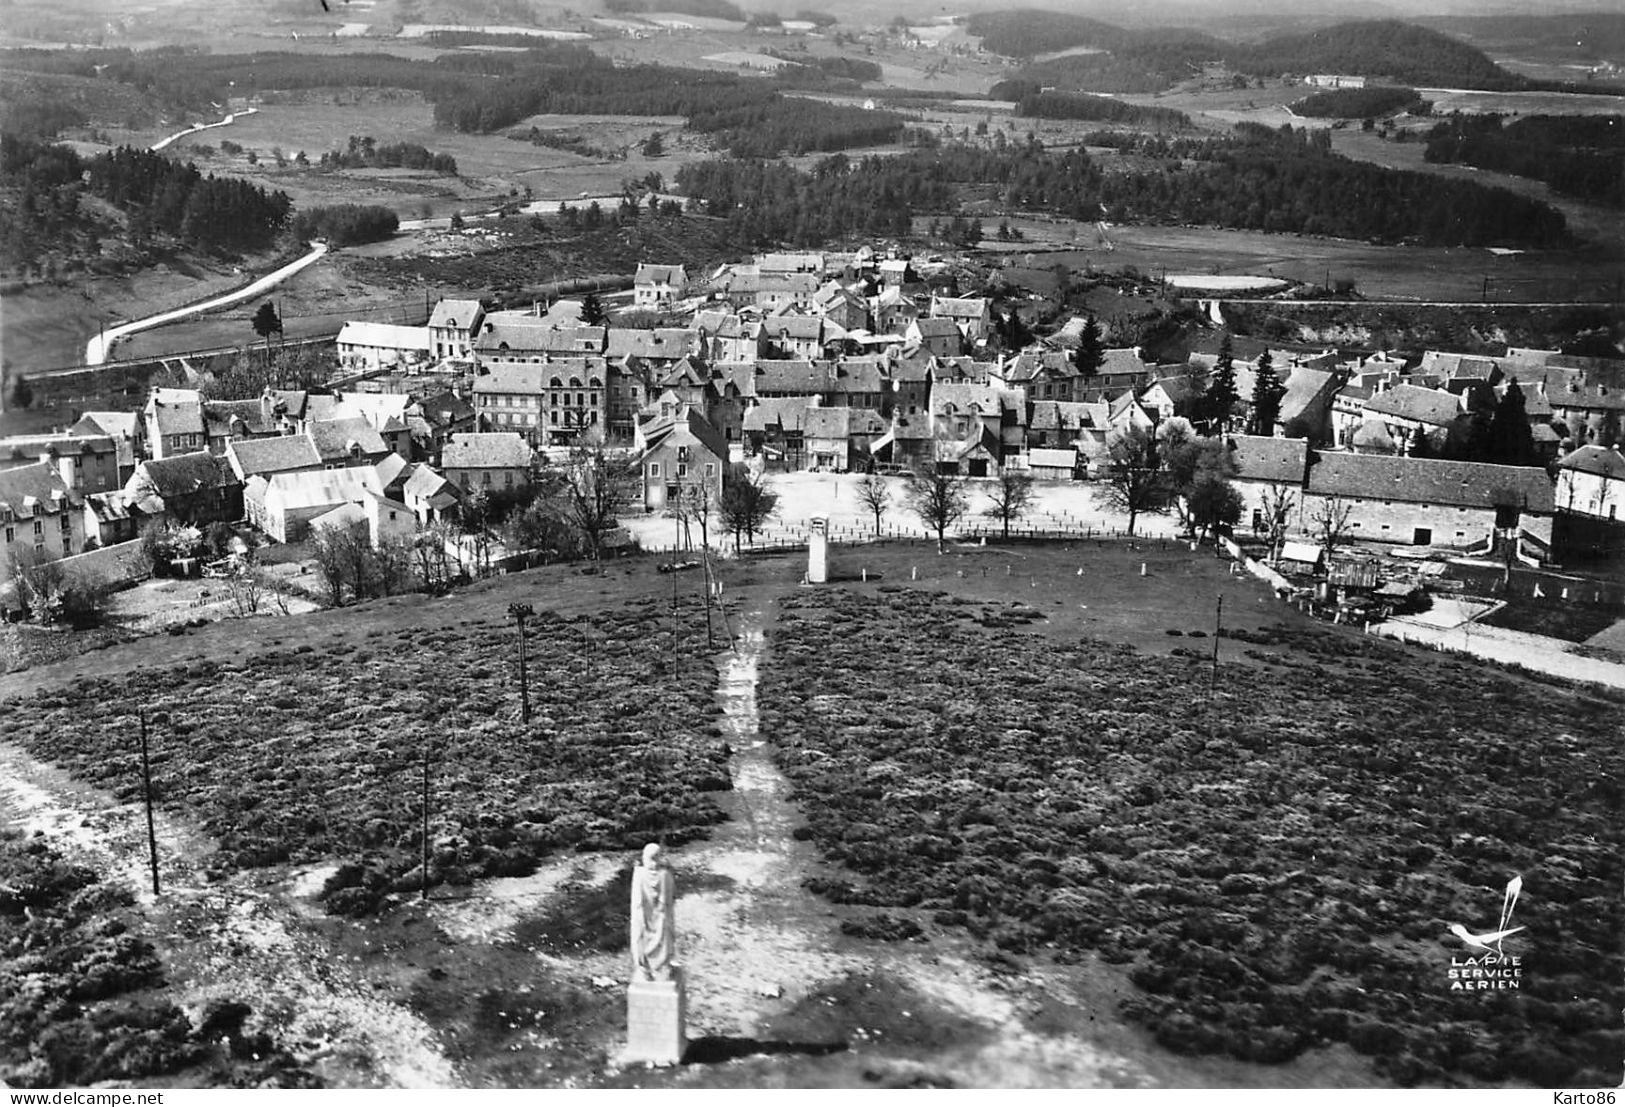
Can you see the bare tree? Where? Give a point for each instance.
(939, 500)
(1275, 508)
(746, 504)
(1135, 482)
(332, 561)
(597, 485)
(247, 587)
(1012, 496)
(433, 562)
(1329, 522)
(874, 495)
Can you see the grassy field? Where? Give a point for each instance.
(1043, 825)
(346, 754)
(1278, 864)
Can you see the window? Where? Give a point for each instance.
(67, 524)
(654, 468)
(710, 471)
(11, 535)
(682, 471)
(555, 418)
(39, 528)
(463, 480)
(507, 480)
(485, 477)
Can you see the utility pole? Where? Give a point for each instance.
(520, 612)
(146, 787)
(1218, 623)
(424, 887)
(674, 624)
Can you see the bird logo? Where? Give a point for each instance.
(1490, 942)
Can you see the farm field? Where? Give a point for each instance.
(1379, 272)
(1601, 227)
(489, 166)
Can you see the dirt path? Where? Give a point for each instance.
(240, 939)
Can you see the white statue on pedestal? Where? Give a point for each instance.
(654, 938)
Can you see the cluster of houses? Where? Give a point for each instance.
(829, 362)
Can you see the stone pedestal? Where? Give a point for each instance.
(818, 551)
(656, 1014)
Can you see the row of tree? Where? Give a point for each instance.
(346, 224)
(1581, 156)
(364, 153)
(1360, 103)
(1259, 179)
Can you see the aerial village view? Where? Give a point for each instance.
(683, 544)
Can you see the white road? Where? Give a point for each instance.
(196, 127)
(98, 348)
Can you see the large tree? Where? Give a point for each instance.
(746, 504)
(1509, 440)
(1135, 481)
(267, 322)
(1012, 495)
(1221, 389)
(1268, 391)
(597, 485)
(939, 500)
(874, 495)
(1091, 352)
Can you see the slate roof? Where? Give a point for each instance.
(660, 343)
(273, 455)
(794, 377)
(527, 334)
(697, 426)
(385, 336)
(1424, 480)
(983, 399)
(1422, 405)
(433, 488)
(1277, 460)
(860, 375)
(789, 412)
(828, 422)
(1303, 387)
(334, 437)
(176, 411)
(34, 489)
(115, 424)
(521, 379)
(659, 274)
(490, 450)
(218, 415)
(458, 314)
(36, 446)
(296, 491)
(958, 307)
(445, 408)
(186, 474)
(803, 327)
(1050, 415)
(110, 507)
(935, 328)
(1597, 460)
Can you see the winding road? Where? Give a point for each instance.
(100, 347)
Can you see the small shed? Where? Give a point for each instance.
(1301, 557)
(1052, 464)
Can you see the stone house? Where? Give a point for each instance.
(193, 489)
(658, 286)
(452, 327)
(498, 463)
(679, 453)
(85, 464)
(39, 514)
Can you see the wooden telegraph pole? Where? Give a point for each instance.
(146, 786)
(674, 622)
(424, 887)
(1218, 622)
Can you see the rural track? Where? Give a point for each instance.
(240, 939)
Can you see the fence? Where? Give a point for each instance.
(782, 539)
